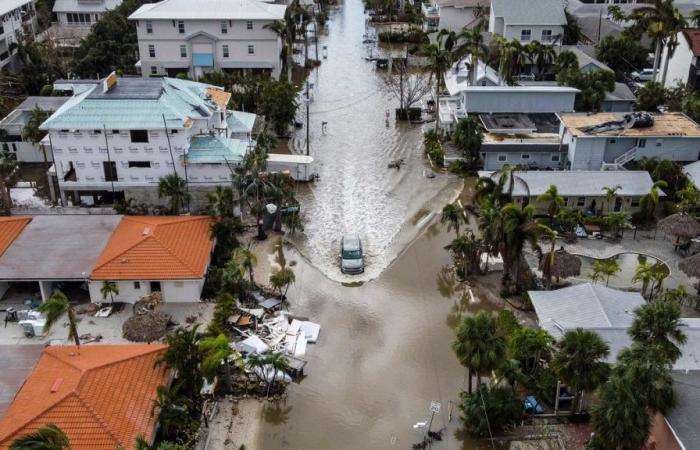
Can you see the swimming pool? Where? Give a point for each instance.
(628, 264)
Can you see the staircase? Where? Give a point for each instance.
(620, 161)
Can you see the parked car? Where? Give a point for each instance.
(532, 405)
(351, 258)
(643, 75)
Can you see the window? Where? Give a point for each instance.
(546, 35)
(483, 83)
(115, 131)
(183, 51)
(566, 201)
(659, 142)
(634, 203)
(138, 136)
(502, 158)
(525, 156)
(96, 131)
(251, 49)
(224, 26)
(555, 158)
(143, 164)
(154, 70)
(525, 35)
(110, 170)
(137, 285)
(225, 51)
(641, 143)
(179, 284)
(149, 27)
(181, 26)
(581, 202)
(78, 18)
(152, 50)
(249, 25)
(612, 141)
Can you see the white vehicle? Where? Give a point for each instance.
(643, 75)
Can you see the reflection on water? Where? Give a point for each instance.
(357, 193)
(628, 264)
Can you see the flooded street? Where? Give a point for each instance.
(357, 193)
(385, 347)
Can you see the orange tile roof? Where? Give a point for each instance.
(10, 228)
(156, 248)
(101, 396)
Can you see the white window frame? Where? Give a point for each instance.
(580, 202)
(151, 50)
(249, 25)
(547, 35)
(502, 155)
(181, 27)
(525, 156)
(154, 70)
(224, 27)
(524, 31)
(251, 49)
(149, 27)
(555, 157)
(225, 51)
(183, 51)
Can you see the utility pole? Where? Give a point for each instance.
(308, 100)
(112, 172)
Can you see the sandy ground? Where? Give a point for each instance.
(236, 424)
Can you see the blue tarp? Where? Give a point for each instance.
(203, 59)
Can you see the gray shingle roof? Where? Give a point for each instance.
(684, 418)
(579, 183)
(530, 12)
(693, 172)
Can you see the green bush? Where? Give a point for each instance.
(494, 408)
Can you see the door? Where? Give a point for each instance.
(618, 204)
(155, 286)
(110, 170)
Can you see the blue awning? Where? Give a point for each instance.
(203, 59)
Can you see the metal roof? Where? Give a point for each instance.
(20, 361)
(685, 416)
(215, 149)
(210, 9)
(693, 172)
(240, 122)
(10, 5)
(57, 247)
(530, 12)
(579, 183)
(85, 6)
(135, 103)
(584, 305)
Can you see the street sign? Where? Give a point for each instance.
(435, 407)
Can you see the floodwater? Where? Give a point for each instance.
(357, 193)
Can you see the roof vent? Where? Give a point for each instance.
(56, 384)
(123, 260)
(146, 231)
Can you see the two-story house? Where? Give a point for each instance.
(75, 18)
(608, 141)
(527, 21)
(684, 65)
(119, 137)
(16, 17)
(177, 36)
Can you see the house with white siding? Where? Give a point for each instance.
(527, 21)
(684, 61)
(177, 36)
(608, 141)
(75, 18)
(17, 17)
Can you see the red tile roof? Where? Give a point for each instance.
(156, 248)
(101, 396)
(10, 228)
(692, 35)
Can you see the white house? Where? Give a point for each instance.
(13, 142)
(611, 140)
(122, 134)
(683, 65)
(527, 21)
(154, 253)
(16, 17)
(75, 18)
(457, 14)
(177, 36)
(692, 171)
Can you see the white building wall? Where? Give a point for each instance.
(516, 101)
(128, 292)
(166, 39)
(679, 64)
(185, 291)
(13, 24)
(515, 32)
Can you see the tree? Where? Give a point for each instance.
(408, 88)
(659, 324)
(604, 268)
(279, 363)
(174, 410)
(220, 202)
(620, 420)
(650, 202)
(644, 273)
(286, 31)
(479, 346)
(490, 409)
(650, 96)
(580, 362)
(8, 167)
(468, 138)
(217, 352)
(650, 376)
(622, 53)
(471, 42)
(466, 252)
(452, 216)
(439, 57)
(282, 279)
(48, 437)
(519, 229)
(54, 308)
(510, 371)
(530, 347)
(246, 259)
(611, 195)
(572, 30)
(225, 306)
(109, 289)
(278, 103)
(32, 132)
(175, 189)
(593, 84)
(512, 56)
(555, 202)
(566, 60)
(184, 356)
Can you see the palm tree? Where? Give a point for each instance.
(675, 24)
(8, 166)
(218, 352)
(439, 57)
(519, 229)
(544, 58)
(511, 59)
(549, 261)
(644, 273)
(184, 356)
(695, 18)
(659, 272)
(610, 195)
(471, 42)
(510, 371)
(175, 188)
(285, 30)
(282, 279)
(279, 363)
(554, 200)
(649, 375)
(452, 216)
(32, 131)
(580, 362)
(479, 346)
(109, 289)
(48, 437)
(246, 259)
(659, 324)
(54, 308)
(257, 363)
(604, 268)
(466, 251)
(220, 202)
(173, 410)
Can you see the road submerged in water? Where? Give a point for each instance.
(385, 348)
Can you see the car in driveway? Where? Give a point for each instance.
(643, 75)
(352, 260)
